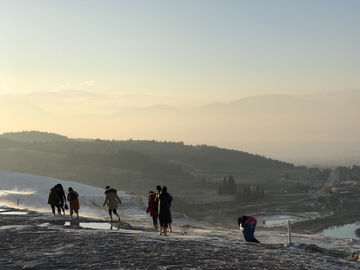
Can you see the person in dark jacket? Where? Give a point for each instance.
(152, 209)
(247, 230)
(61, 194)
(111, 201)
(165, 200)
(54, 200)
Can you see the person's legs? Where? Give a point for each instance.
(53, 209)
(110, 214)
(170, 230)
(115, 213)
(71, 212)
(155, 222)
(62, 208)
(77, 213)
(165, 228)
(59, 210)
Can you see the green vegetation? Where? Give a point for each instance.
(194, 174)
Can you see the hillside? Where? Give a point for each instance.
(32, 136)
(198, 176)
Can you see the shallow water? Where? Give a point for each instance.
(87, 225)
(92, 225)
(342, 231)
(12, 212)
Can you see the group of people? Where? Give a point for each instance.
(57, 199)
(159, 204)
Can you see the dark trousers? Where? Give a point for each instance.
(165, 225)
(53, 208)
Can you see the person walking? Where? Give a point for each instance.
(152, 209)
(61, 194)
(111, 201)
(165, 200)
(54, 200)
(72, 198)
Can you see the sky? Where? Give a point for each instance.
(99, 57)
(219, 50)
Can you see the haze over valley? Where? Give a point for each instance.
(313, 129)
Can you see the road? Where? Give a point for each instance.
(329, 182)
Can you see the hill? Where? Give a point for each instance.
(31, 136)
(202, 178)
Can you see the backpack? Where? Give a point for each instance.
(72, 196)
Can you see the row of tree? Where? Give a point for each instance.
(227, 187)
(244, 193)
(250, 193)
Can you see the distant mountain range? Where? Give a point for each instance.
(325, 125)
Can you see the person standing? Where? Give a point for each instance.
(72, 198)
(152, 209)
(165, 200)
(54, 200)
(111, 201)
(61, 194)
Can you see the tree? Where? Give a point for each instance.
(231, 185)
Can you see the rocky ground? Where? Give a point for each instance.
(40, 241)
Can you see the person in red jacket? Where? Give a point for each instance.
(153, 208)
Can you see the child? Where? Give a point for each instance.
(72, 197)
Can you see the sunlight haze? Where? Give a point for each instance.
(276, 78)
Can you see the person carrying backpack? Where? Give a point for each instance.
(72, 198)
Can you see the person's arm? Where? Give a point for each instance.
(170, 199)
(248, 228)
(149, 206)
(118, 199)
(105, 200)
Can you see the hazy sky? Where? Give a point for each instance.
(189, 50)
(61, 58)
